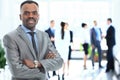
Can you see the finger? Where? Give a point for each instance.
(49, 56)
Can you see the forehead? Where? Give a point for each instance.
(29, 7)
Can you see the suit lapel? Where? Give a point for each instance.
(24, 37)
(39, 37)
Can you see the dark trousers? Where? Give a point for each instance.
(69, 54)
(98, 46)
(110, 58)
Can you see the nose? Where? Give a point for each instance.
(30, 14)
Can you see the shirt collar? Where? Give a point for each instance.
(26, 30)
(95, 27)
(51, 28)
(109, 25)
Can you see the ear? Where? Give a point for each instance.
(20, 17)
(38, 16)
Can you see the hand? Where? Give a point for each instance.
(50, 55)
(29, 63)
(103, 36)
(52, 39)
(93, 46)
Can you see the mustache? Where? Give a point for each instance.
(31, 19)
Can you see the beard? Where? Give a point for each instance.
(31, 19)
(30, 23)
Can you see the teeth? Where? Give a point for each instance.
(31, 21)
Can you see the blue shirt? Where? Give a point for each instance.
(98, 33)
(53, 30)
(29, 36)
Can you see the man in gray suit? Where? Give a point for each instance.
(30, 53)
(96, 35)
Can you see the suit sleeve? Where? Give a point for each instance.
(52, 64)
(18, 69)
(71, 36)
(111, 36)
(91, 36)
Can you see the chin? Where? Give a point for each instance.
(31, 27)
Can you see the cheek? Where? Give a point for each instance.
(20, 17)
(24, 18)
(38, 17)
(65, 27)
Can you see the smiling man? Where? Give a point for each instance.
(30, 53)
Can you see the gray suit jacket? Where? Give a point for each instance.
(19, 47)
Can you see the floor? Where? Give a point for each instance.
(76, 72)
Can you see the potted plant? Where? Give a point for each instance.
(96, 53)
(2, 57)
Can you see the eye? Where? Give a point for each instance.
(26, 13)
(35, 13)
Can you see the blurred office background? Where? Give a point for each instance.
(72, 11)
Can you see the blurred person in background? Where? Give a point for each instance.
(96, 36)
(51, 33)
(86, 41)
(63, 41)
(110, 37)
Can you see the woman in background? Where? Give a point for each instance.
(63, 39)
(86, 41)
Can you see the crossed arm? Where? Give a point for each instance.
(32, 64)
(26, 68)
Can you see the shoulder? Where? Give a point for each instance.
(71, 32)
(92, 29)
(12, 33)
(47, 30)
(111, 27)
(10, 37)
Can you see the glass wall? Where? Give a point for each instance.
(72, 11)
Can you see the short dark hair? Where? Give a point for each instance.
(51, 21)
(109, 19)
(29, 2)
(83, 25)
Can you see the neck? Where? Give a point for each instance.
(51, 27)
(65, 29)
(32, 28)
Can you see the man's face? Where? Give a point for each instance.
(29, 15)
(52, 24)
(95, 23)
(108, 22)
